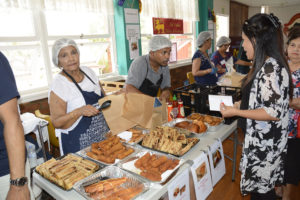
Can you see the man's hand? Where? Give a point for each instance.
(165, 95)
(18, 193)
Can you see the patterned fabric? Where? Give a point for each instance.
(265, 143)
(294, 114)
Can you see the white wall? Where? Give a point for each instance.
(283, 13)
(221, 6)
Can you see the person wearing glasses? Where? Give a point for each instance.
(221, 56)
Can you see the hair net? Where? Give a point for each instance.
(159, 42)
(202, 37)
(223, 40)
(58, 45)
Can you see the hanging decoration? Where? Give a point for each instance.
(211, 15)
(121, 2)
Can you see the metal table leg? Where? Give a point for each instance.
(40, 125)
(235, 143)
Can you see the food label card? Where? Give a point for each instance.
(216, 161)
(216, 100)
(179, 188)
(201, 176)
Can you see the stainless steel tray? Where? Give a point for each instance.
(100, 166)
(128, 164)
(182, 130)
(112, 172)
(87, 149)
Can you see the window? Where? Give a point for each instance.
(175, 9)
(31, 27)
(222, 26)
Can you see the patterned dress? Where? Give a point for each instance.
(294, 114)
(265, 143)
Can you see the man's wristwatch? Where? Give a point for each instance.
(19, 181)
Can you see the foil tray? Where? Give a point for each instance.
(211, 128)
(182, 130)
(111, 172)
(128, 164)
(87, 149)
(144, 132)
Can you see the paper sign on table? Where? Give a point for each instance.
(179, 188)
(216, 161)
(216, 100)
(201, 176)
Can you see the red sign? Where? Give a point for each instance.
(167, 26)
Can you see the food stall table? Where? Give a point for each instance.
(156, 190)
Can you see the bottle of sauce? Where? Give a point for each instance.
(180, 110)
(175, 102)
(170, 114)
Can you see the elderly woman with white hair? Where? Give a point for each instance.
(221, 56)
(149, 73)
(203, 69)
(73, 100)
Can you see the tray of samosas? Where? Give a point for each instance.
(168, 140)
(112, 183)
(154, 166)
(133, 135)
(67, 170)
(108, 152)
(187, 126)
(213, 122)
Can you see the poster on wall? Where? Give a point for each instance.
(167, 26)
(131, 15)
(133, 36)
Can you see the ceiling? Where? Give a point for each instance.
(270, 3)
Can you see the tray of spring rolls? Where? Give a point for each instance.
(187, 126)
(67, 170)
(213, 123)
(133, 135)
(108, 152)
(112, 183)
(168, 140)
(154, 166)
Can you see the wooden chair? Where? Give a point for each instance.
(190, 77)
(51, 130)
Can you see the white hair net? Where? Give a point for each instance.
(223, 40)
(159, 42)
(202, 37)
(58, 45)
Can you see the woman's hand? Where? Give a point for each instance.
(228, 111)
(88, 111)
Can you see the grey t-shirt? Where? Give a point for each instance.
(138, 71)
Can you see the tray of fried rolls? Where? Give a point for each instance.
(112, 183)
(109, 151)
(187, 126)
(213, 123)
(154, 166)
(133, 135)
(67, 170)
(168, 140)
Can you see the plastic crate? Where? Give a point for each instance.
(193, 96)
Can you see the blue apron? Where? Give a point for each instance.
(89, 129)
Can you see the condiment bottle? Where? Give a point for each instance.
(180, 110)
(175, 103)
(170, 107)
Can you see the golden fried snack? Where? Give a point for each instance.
(142, 160)
(106, 159)
(165, 166)
(114, 148)
(151, 176)
(125, 153)
(159, 161)
(183, 124)
(193, 128)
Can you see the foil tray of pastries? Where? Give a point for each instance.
(185, 125)
(133, 135)
(108, 152)
(112, 183)
(67, 170)
(169, 140)
(154, 166)
(212, 122)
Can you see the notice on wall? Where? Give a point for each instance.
(216, 161)
(201, 176)
(133, 35)
(133, 48)
(131, 16)
(179, 188)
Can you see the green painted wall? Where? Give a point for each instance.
(122, 44)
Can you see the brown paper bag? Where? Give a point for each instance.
(139, 108)
(113, 114)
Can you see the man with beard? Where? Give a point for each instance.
(149, 73)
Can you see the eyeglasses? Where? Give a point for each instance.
(226, 45)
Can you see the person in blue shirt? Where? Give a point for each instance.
(12, 143)
(203, 69)
(221, 56)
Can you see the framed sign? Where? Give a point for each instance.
(167, 26)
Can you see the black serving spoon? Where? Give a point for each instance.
(104, 105)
